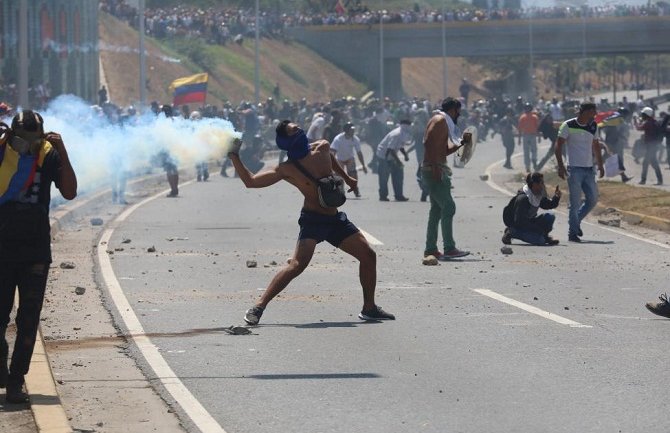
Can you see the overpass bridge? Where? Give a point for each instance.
(356, 48)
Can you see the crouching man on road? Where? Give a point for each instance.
(520, 215)
(306, 165)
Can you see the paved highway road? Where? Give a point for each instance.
(548, 339)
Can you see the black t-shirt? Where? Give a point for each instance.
(25, 233)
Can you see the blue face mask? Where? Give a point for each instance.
(296, 145)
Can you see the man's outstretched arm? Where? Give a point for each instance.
(258, 180)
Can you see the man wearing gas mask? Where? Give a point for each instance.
(30, 161)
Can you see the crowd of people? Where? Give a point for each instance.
(223, 24)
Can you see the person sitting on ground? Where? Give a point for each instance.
(520, 215)
(318, 222)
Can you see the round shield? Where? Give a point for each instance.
(465, 152)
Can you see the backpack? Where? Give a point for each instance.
(508, 212)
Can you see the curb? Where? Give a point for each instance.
(45, 403)
(638, 219)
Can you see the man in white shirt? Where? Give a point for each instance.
(315, 131)
(346, 146)
(579, 135)
(556, 110)
(389, 161)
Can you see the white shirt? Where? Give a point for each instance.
(556, 111)
(345, 148)
(315, 131)
(394, 140)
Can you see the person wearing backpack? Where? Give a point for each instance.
(521, 218)
(651, 138)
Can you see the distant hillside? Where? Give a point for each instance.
(299, 71)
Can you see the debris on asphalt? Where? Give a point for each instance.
(506, 250)
(534, 298)
(96, 221)
(237, 330)
(429, 261)
(151, 249)
(125, 241)
(176, 239)
(80, 290)
(484, 177)
(67, 265)
(566, 308)
(252, 263)
(614, 222)
(273, 263)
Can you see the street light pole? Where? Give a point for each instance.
(257, 75)
(444, 49)
(381, 52)
(531, 91)
(143, 60)
(22, 78)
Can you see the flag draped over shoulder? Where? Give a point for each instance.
(189, 89)
(17, 172)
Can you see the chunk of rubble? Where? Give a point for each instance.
(151, 249)
(507, 250)
(96, 221)
(252, 263)
(67, 265)
(613, 222)
(484, 177)
(80, 290)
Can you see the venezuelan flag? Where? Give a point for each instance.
(608, 118)
(17, 172)
(189, 89)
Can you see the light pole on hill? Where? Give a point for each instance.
(22, 78)
(444, 49)
(381, 53)
(257, 77)
(143, 60)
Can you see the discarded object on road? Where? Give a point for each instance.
(252, 263)
(67, 265)
(237, 330)
(96, 221)
(506, 250)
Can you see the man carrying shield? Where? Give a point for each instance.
(440, 141)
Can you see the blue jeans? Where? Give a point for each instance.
(386, 169)
(535, 238)
(581, 179)
(530, 151)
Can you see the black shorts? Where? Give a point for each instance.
(320, 227)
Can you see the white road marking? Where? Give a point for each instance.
(371, 239)
(529, 308)
(191, 406)
(501, 189)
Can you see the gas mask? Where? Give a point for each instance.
(27, 133)
(26, 142)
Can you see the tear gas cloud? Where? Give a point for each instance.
(97, 147)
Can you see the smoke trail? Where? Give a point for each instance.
(96, 147)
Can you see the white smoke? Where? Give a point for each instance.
(97, 147)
